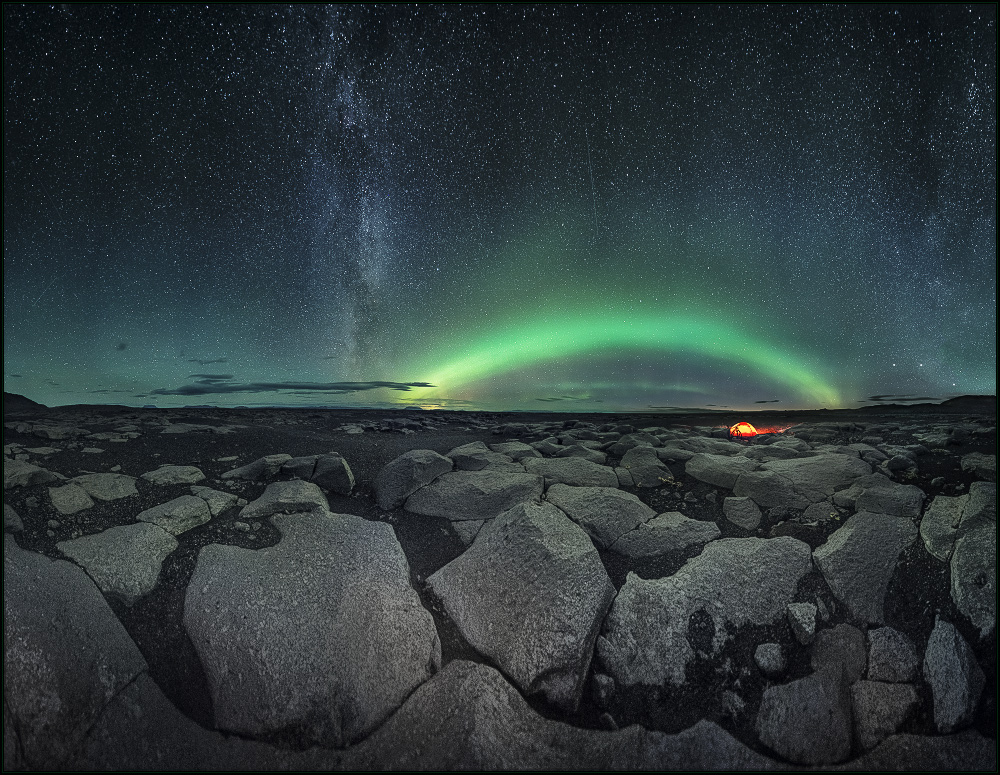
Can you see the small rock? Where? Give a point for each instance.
(840, 650)
(170, 474)
(334, 474)
(263, 468)
(807, 721)
(107, 487)
(70, 498)
(770, 658)
(294, 496)
(179, 515)
(802, 618)
(880, 709)
(892, 657)
(742, 512)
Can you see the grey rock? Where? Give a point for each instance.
(955, 678)
(719, 470)
(216, 500)
(467, 530)
(530, 593)
(179, 515)
(892, 656)
(981, 507)
(338, 637)
(292, 496)
(714, 446)
(459, 495)
(515, 450)
(646, 468)
(983, 466)
(743, 512)
(802, 618)
(123, 561)
(469, 718)
(840, 651)
(771, 452)
(859, 558)
(606, 513)
(107, 487)
(70, 498)
(402, 477)
(807, 721)
(880, 710)
(879, 494)
(300, 467)
(476, 456)
(823, 511)
(797, 483)
(624, 477)
(900, 463)
(20, 473)
(674, 454)
(770, 658)
(333, 473)
(11, 520)
(578, 450)
(140, 729)
(263, 468)
(735, 581)
(669, 532)
(174, 475)
(939, 525)
(65, 656)
(962, 752)
(974, 576)
(571, 470)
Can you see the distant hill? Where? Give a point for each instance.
(12, 402)
(967, 404)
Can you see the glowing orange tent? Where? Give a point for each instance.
(742, 430)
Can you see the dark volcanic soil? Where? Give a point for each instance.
(918, 590)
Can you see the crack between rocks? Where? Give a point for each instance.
(18, 742)
(100, 714)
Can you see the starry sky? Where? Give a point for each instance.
(523, 207)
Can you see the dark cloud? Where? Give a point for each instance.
(205, 362)
(769, 401)
(564, 398)
(210, 377)
(15, 375)
(207, 387)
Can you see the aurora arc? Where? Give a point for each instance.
(519, 346)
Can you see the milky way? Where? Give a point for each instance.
(592, 208)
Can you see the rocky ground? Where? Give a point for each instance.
(312, 589)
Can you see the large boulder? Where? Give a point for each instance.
(604, 512)
(66, 656)
(179, 515)
(170, 474)
(974, 577)
(955, 678)
(796, 483)
(333, 473)
(402, 477)
(107, 487)
(734, 581)
(476, 456)
(571, 470)
(469, 718)
(719, 470)
(892, 657)
(880, 710)
(292, 496)
(645, 466)
(459, 495)
(859, 558)
(879, 494)
(123, 561)
(664, 534)
(337, 640)
(20, 473)
(530, 593)
(263, 468)
(807, 721)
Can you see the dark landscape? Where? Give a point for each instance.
(821, 595)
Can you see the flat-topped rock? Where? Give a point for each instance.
(571, 470)
(459, 495)
(796, 483)
(291, 496)
(605, 513)
(107, 487)
(20, 473)
(338, 638)
(735, 581)
(530, 593)
(70, 498)
(266, 467)
(123, 561)
(169, 474)
(179, 515)
(955, 678)
(719, 470)
(402, 477)
(664, 534)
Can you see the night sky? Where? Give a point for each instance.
(561, 208)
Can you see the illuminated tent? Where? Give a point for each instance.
(742, 430)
